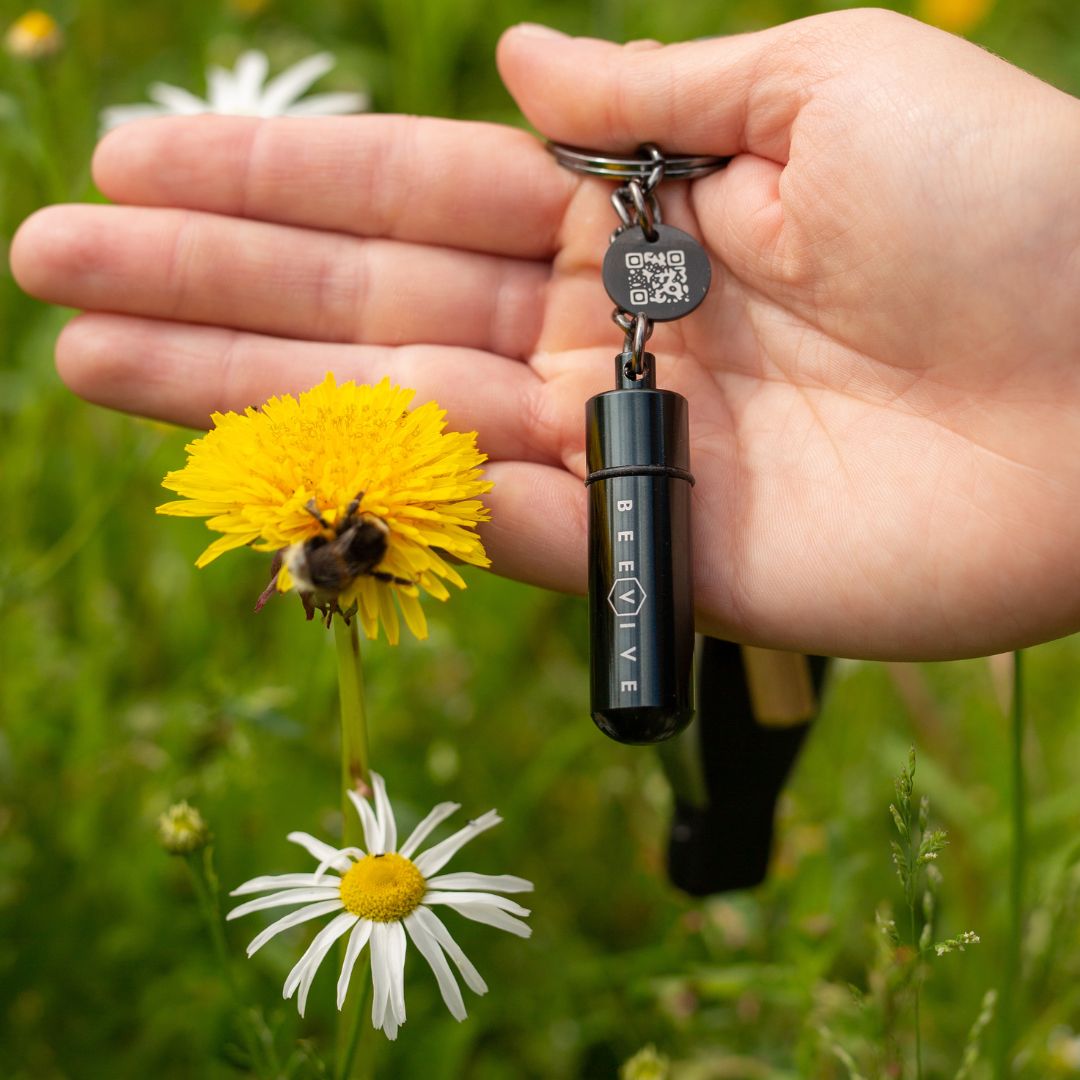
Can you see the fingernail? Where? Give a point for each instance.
(535, 30)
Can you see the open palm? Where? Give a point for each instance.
(884, 380)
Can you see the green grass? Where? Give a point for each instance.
(129, 680)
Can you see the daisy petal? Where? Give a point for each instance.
(385, 813)
(220, 90)
(320, 870)
(247, 81)
(284, 89)
(282, 881)
(303, 973)
(492, 916)
(436, 858)
(398, 947)
(357, 940)
(115, 115)
(319, 850)
(380, 977)
(423, 830)
(177, 100)
(339, 104)
(486, 882)
(294, 918)
(284, 898)
(372, 829)
(500, 902)
(432, 952)
(434, 925)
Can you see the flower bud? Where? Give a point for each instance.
(182, 830)
(646, 1064)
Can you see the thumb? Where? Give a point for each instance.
(716, 96)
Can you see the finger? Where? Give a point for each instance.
(276, 279)
(538, 526)
(483, 187)
(715, 96)
(183, 373)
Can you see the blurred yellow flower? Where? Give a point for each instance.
(33, 36)
(956, 16)
(360, 495)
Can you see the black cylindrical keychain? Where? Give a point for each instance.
(641, 609)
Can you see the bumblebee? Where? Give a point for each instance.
(325, 565)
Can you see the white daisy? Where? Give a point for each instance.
(244, 91)
(382, 895)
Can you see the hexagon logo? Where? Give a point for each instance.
(626, 596)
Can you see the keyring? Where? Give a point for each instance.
(633, 167)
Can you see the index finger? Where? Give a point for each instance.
(482, 187)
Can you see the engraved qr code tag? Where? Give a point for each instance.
(663, 279)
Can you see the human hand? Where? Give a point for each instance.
(884, 381)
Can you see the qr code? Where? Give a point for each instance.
(657, 277)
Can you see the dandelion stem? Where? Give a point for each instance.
(354, 736)
(1010, 989)
(355, 776)
(201, 866)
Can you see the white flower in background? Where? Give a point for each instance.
(244, 91)
(383, 895)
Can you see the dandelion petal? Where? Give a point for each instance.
(432, 952)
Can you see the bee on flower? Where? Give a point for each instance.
(383, 898)
(362, 499)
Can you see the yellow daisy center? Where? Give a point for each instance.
(383, 888)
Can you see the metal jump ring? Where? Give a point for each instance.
(637, 335)
(635, 167)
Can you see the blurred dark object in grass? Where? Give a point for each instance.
(754, 710)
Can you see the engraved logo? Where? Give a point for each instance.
(626, 596)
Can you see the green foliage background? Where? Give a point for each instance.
(128, 680)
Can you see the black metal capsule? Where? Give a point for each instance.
(641, 606)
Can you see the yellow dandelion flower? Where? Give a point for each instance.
(362, 496)
(956, 16)
(33, 36)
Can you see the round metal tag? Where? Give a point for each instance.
(662, 279)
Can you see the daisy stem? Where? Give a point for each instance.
(355, 776)
(263, 1058)
(358, 1031)
(1010, 988)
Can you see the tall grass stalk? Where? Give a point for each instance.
(261, 1053)
(1010, 989)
